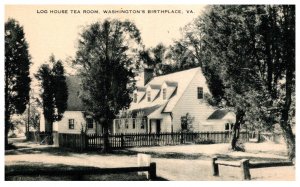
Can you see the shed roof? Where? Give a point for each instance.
(146, 111)
(218, 114)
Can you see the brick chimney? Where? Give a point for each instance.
(148, 75)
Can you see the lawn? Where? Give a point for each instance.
(182, 162)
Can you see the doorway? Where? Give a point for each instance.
(158, 127)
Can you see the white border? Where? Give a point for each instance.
(175, 184)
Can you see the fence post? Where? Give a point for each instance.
(215, 166)
(152, 171)
(245, 170)
(122, 140)
(181, 137)
(143, 160)
(82, 142)
(86, 141)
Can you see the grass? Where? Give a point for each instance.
(169, 163)
(29, 167)
(195, 156)
(127, 152)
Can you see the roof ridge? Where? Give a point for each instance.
(177, 72)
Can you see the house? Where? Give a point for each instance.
(75, 118)
(219, 120)
(160, 104)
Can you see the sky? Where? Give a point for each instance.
(52, 29)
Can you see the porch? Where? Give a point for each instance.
(136, 125)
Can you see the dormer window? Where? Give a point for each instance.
(148, 96)
(200, 92)
(135, 97)
(164, 92)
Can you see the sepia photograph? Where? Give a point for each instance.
(149, 92)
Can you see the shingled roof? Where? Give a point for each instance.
(218, 114)
(146, 111)
(178, 80)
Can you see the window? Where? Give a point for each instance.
(90, 123)
(126, 123)
(143, 123)
(148, 96)
(135, 98)
(71, 123)
(117, 123)
(200, 92)
(226, 126)
(133, 123)
(164, 94)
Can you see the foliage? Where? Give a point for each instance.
(187, 123)
(17, 80)
(155, 58)
(106, 55)
(253, 50)
(54, 91)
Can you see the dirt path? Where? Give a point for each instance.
(168, 168)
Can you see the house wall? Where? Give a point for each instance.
(79, 121)
(122, 128)
(165, 123)
(213, 125)
(199, 109)
(218, 124)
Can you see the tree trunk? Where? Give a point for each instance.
(106, 148)
(289, 138)
(49, 129)
(288, 135)
(289, 59)
(7, 127)
(48, 125)
(236, 130)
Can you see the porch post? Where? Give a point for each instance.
(148, 125)
(114, 126)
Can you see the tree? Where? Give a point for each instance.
(54, 91)
(253, 48)
(17, 80)
(155, 58)
(106, 54)
(187, 123)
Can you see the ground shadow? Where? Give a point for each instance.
(27, 171)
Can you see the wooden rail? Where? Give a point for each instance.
(78, 173)
(245, 166)
(255, 165)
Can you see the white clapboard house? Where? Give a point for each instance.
(160, 104)
(75, 118)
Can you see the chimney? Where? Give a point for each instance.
(148, 75)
